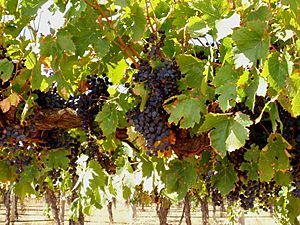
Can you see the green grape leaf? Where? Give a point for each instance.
(252, 154)
(251, 169)
(294, 5)
(30, 61)
(88, 33)
(251, 88)
(181, 14)
(65, 42)
(22, 189)
(296, 104)
(293, 208)
(147, 167)
(20, 81)
(226, 133)
(197, 27)
(101, 46)
(6, 69)
(5, 171)
(263, 13)
(117, 72)
(12, 6)
(252, 41)
(181, 175)
(48, 46)
(24, 186)
(279, 68)
(212, 11)
(226, 85)
(30, 173)
(122, 3)
(139, 22)
(251, 164)
(38, 81)
(99, 176)
(212, 120)
(226, 177)
(193, 68)
(108, 119)
(266, 168)
(294, 93)
(57, 158)
(282, 179)
(185, 110)
(162, 9)
(126, 192)
(30, 8)
(140, 90)
(273, 157)
(278, 147)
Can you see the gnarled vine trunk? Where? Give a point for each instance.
(14, 208)
(110, 212)
(162, 209)
(204, 210)
(187, 210)
(73, 197)
(7, 204)
(62, 207)
(51, 200)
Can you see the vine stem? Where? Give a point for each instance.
(154, 16)
(122, 44)
(148, 17)
(182, 215)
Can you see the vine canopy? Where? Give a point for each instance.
(196, 95)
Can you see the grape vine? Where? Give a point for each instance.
(200, 99)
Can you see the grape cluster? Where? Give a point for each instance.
(75, 150)
(16, 135)
(55, 175)
(160, 81)
(152, 122)
(14, 146)
(268, 191)
(154, 44)
(50, 99)
(249, 192)
(248, 195)
(291, 132)
(18, 159)
(89, 103)
(11, 135)
(214, 193)
(92, 148)
(216, 197)
(86, 104)
(56, 138)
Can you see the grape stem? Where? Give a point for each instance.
(148, 18)
(131, 145)
(122, 44)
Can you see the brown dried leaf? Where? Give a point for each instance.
(7, 103)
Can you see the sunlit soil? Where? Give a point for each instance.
(35, 212)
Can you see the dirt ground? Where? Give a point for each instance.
(35, 212)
